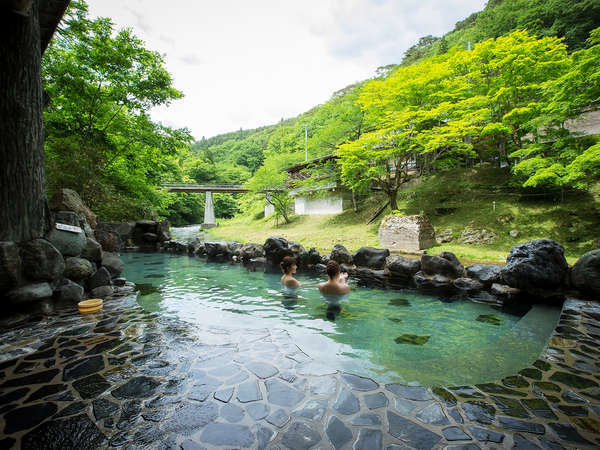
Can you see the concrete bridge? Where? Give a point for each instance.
(209, 208)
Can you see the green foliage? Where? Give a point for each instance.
(100, 140)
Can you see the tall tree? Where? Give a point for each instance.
(22, 181)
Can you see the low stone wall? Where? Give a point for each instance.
(535, 271)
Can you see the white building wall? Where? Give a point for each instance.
(269, 209)
(331, 204)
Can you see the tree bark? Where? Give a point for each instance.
(23, 203)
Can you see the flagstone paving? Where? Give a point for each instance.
(133, 379)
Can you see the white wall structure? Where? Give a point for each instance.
(332, 204)
(269, 209)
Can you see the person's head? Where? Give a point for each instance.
(332, 269)
(288, 265)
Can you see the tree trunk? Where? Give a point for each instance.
(393, 194)
(23, 203)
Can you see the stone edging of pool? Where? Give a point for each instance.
(129, 378)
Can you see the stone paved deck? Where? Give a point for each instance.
(132, 379)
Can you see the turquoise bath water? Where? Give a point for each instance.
(397, 336)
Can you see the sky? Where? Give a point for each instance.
(245, 64)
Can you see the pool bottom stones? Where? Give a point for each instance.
(129, 378)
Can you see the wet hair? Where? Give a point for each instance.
(332, 269)
(287, 263)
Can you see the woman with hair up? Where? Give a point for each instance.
(288, 267)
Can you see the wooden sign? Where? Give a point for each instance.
(70, 228)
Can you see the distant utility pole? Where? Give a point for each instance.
(306, 143)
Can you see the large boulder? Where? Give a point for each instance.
(468, 284)
(406, 233)
(41, 260)
(92, 251)
(113, 263)
(276, 248)
(69, 200)
(425, 281)
(100, 278)
(123, 229)
(585, 274)
(249, 251)
(102, 291)
(78, 268)
(340, 255)
(402, 268)
(370, 278)
(234, 247)
(108, 240)
(217, 250)
(309, 258)
(69, 292)
(445, 264)
(69, 243)
(486, 274)
(373, 258)
(30, 293)
(296, 248)
(10, 265)
(538, 265)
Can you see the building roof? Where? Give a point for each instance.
(305, 164)
(51, 12)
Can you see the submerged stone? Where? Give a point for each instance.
(359, 383)
(478, 411)
(485, 435)
(573, 381)
(521, 425)
(534, 374)
(399, 302)
(433, 415)
(417, 393)
(497, 389)
(444, 395)
(510, 407)
(411, 339)
(395, 319)
(547, 386)
(489, 318)
(569, 434)
(515, 381)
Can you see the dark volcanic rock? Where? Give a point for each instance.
(69, 291)
(486, 274)
(113, 263)
(445, 264)
(30, 293)
(374, 258)
(467, 284)
(104, 408)
(585, 274)
(78, 268)
(36, 378)
(276, 248)
(41, 260)
(92, 386)
(92, 251)
(402, 268)
(309, 258)
(535, 265)
(424, 281)
(340, 254)
(75, 432)
(249, 251)
(100, 278)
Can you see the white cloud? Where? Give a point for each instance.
(247, 64)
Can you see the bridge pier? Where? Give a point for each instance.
(209, 212)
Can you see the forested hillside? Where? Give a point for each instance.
(532, 66)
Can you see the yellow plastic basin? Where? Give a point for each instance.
(90, 306)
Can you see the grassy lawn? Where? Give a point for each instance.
(452, 200)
